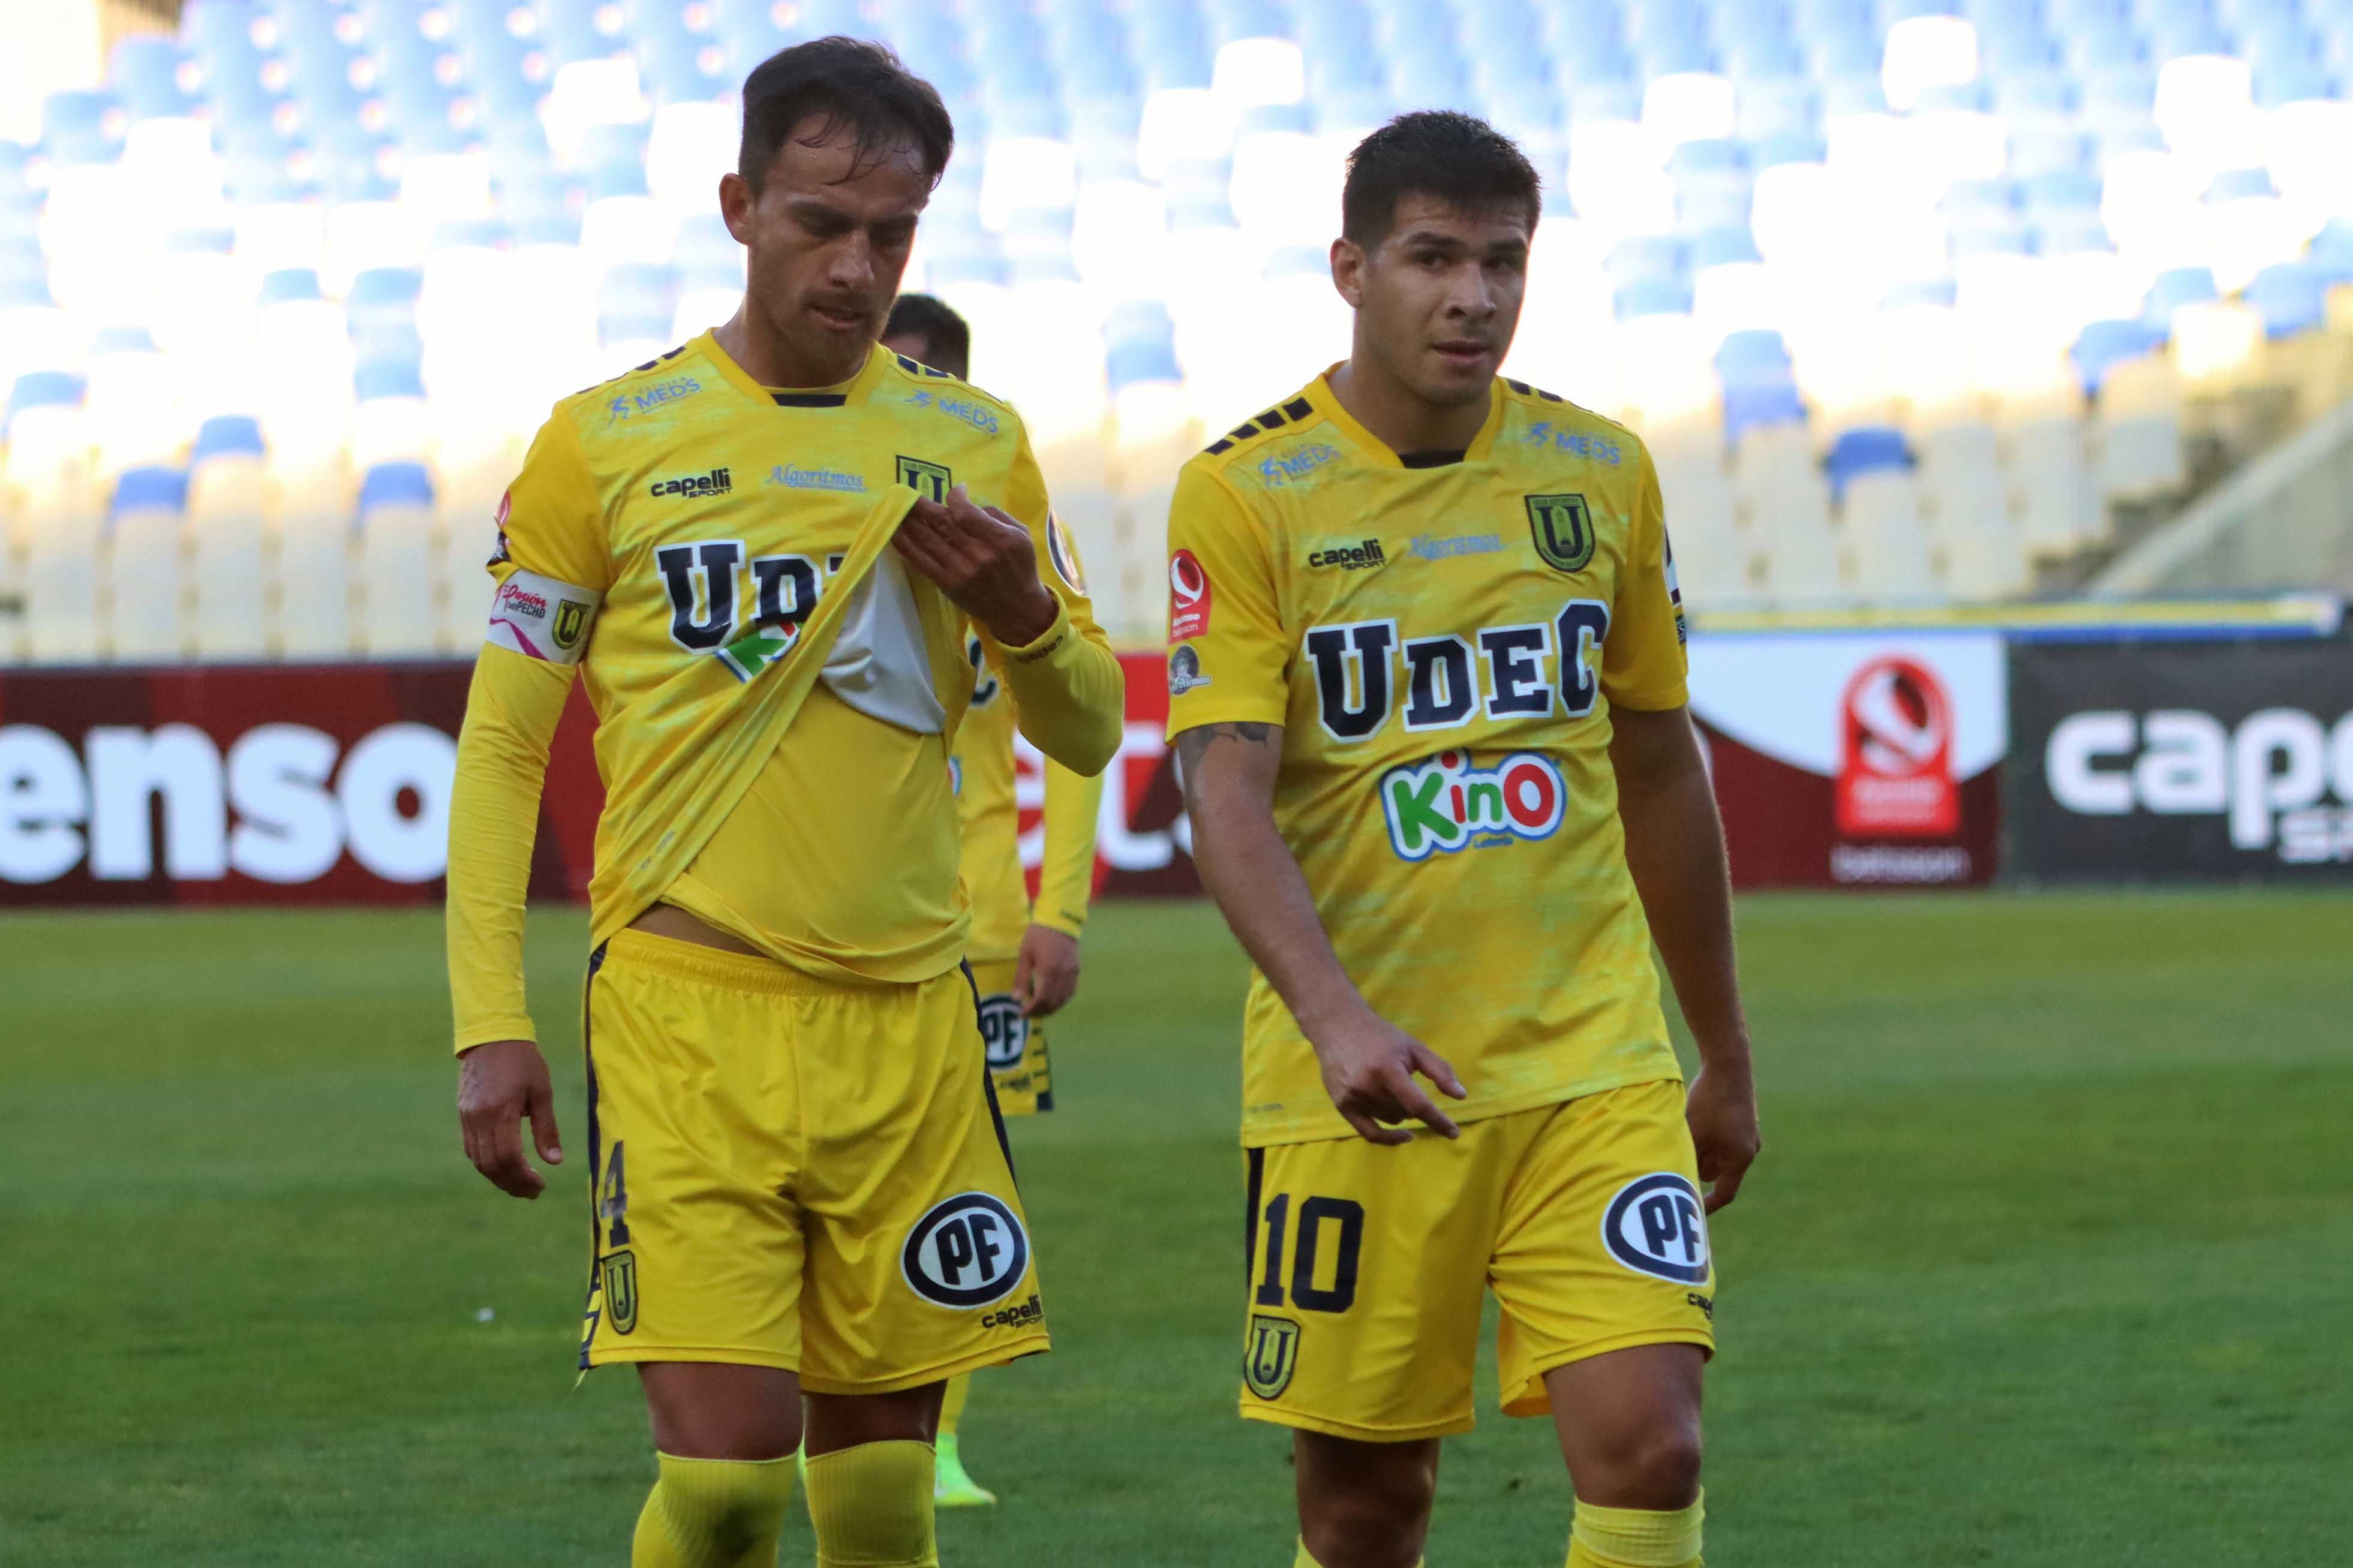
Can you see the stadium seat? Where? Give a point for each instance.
(2139, 424)
(228, 540)
(395, 561)
(145, 577)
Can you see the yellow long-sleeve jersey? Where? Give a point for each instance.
(777, 696)
(989, 811)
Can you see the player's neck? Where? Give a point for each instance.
(1400, 420)
(768, 358)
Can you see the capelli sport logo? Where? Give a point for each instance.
(717, 482)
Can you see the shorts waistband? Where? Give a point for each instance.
(734, 971)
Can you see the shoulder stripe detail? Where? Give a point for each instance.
(633, 370)
(917, 367)
(1524, 390)
(1265, 423)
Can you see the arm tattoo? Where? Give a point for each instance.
(1193, 744)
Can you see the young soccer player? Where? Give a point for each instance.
(762, 551)
(1024, 959)
(1426, 692)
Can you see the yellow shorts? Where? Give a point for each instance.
(1368, 1264)
(790, 1173)
(1016, 1045)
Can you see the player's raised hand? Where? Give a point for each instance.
(500, 1084)
(983, 560)
(1045, 972)
(1368, 1070)
(1722, 1110)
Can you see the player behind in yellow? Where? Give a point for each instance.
(759, 552)
(1426, 683)
(1025, 959)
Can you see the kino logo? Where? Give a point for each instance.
(1446, 804)
(1657, 1226)
(968, 1251)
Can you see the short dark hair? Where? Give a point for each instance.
(947, 339)
(1458, 158)
(843, 82)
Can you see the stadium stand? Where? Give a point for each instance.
(1917, 302)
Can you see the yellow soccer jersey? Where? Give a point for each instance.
(1441, 638)
(990, 817)
(683, 518)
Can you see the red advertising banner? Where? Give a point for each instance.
(1839, 760)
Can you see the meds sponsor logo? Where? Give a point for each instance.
(968, 1251)
(1597, 449)
(1657, 1226)
(1448, 803)
(627, 406)
(1286, 465)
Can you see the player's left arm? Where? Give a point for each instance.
(1046, 974)
(1674, 847)
(1035, 623)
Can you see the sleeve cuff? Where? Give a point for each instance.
(518, 1028)
(1047, 641)
(1061, 920)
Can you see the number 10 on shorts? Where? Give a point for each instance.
(1323, 1260)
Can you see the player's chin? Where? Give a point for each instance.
(833, 324)
(1456, 375)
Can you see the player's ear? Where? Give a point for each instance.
(736, 200)
(1349, 270)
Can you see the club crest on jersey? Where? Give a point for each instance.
(968, 1251)
(930, 480)
(1562, 529)
(571, 622)
(1657, 1226)
(1270, 1356)
(620, 1291)
(1446, 804)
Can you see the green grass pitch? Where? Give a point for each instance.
(2050, 1259)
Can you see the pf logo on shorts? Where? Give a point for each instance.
(1657, 1226)
(968, 1251)
(1004, 1032)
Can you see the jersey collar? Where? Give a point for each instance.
(854, 390)
(1378, 450)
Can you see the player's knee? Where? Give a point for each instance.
(1655, 1466)
(1378, 1524)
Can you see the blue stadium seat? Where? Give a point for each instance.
(150, 488)
(45, 389)
(389, 377)
(2291, 297)
(381, 311)
(1787, 147)
(2103, 344)
(2070, 233)
(2332, 251)
(1651, 296)
(289, 284)
(1865, 449)
(228, 436)
(83, 127)
(637, 299)
(2291, 79)
(147, 74)
(1645, 257)
(395, 484)
(705, 253)
(970, 265)
(1755, 355)
(2172, 289)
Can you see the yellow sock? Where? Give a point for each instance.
(871, 1505)
(952, 1403)
(1635, 1538)
(713, 1513)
